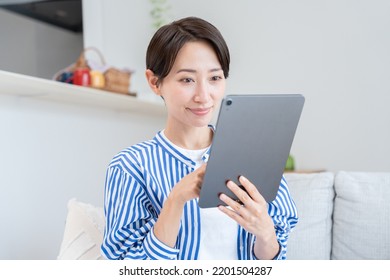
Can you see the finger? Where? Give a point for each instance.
(199, 174)
(233, 208)
(251, 189)
(232, 214)
(201, 170)
(241, 194)
(252, 207)
(234, 205)
(242, 211)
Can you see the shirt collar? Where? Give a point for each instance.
(168, 147)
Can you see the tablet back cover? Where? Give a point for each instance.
(253, 138)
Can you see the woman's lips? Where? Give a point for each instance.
(200, 111)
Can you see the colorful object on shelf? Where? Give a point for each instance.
(97, 79)
(96, 75)
(66, 77)
(82, 77)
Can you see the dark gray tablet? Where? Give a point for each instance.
(253, 138)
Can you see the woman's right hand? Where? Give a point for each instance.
(189, 186)
(167, 226)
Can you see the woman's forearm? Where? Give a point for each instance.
(167, 226)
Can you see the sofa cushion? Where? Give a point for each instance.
(361, 227)
(83, 232)
(313, 195)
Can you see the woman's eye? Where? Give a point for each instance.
(216, 78)
(187, 80)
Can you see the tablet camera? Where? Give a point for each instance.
(229, 102)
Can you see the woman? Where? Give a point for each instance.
(152, 188)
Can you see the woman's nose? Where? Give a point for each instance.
(202, 94)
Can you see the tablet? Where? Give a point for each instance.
(253, 138)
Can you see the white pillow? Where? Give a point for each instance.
(361, 227)
(313, 195)
(83, 233)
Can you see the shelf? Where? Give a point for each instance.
(25, 86)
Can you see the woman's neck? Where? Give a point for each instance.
(192, 138)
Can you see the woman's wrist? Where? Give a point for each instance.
(175, 198)
(266, 246)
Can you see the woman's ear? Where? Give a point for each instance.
(152, 80)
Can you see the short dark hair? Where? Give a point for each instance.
(169, 39)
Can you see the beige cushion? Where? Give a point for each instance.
(361, 227)
(313, 195)
(83, 232)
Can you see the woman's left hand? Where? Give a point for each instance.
(251, 213)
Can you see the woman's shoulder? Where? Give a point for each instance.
(131, 156)
(140, 147)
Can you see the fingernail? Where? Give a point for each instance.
(242, 178)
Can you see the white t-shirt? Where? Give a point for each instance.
(218, 231)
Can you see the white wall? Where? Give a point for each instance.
(334, 52)
(35, 48)
(50, 153)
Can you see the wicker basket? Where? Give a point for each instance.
(116, 80)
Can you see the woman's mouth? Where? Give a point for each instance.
(200, 111)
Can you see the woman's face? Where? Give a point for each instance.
(194, 87)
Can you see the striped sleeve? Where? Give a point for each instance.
(129, 216)
(284, 214)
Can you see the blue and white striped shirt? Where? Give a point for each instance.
(138, 181)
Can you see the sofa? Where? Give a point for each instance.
(342, 215)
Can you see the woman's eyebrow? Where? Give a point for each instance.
(186, 70)
(194, 71)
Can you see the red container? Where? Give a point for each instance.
(82, 77)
